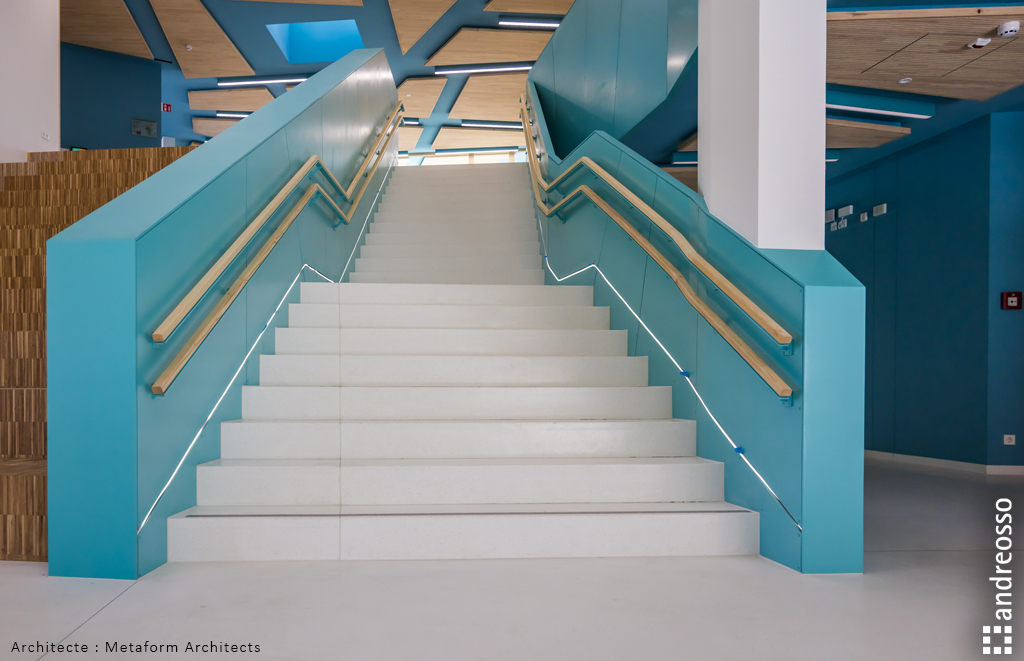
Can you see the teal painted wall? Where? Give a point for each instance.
(943, 360)
(100, 93)
(113, 276)
(610, 64)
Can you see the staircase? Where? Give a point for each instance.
(446, 404)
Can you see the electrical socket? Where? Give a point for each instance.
(1009, 439)
(44, 135)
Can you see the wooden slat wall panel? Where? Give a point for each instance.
(491, 96)
(102, 24)
(213, 54)
(247, 100)
(419, 95)
(481, 46)
(414, 17)
(530, 6)
(39, 199)
(455, 138)
(874, 49)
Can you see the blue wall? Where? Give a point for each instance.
(100, 93)
(114, 275)
(943, 361)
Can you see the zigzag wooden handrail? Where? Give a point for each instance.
(168, 376)
(774, 381)
(192, 298)
(760, 317)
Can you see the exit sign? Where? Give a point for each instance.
(166, 107)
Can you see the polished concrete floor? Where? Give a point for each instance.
(929, 537)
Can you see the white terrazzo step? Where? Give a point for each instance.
(336, 370)
(514, 277)
(437, 439)
(451, 342)
(453, 262)
(207, 534)
(455, 403)
(451, 250)
(232, 482)
(525, 317)
(384, 294)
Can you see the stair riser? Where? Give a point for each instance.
(483, 250)
(511, 232)
(442, 239)
(537, 403)
(327, 370)
(322, 315)
(519, 277)
(375, 294)
(403, 484)
(438, 537)
(360, 341)
(492, 198)
(452, 440)
(458, 261)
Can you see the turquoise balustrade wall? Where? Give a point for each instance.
(810, 449)
(116, 274)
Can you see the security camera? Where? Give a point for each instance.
(1008, 29)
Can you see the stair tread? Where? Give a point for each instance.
(498, 461)
(694, 507)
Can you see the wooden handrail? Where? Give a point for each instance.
(192, 298)
(774, 381)
(164, 381)
(760, 317)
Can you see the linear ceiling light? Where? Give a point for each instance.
(411, 122)
(463, 152)
(240, 115)
(529, 24)
(495, 69)
(874, 111)
(493, 125)
(268, 81)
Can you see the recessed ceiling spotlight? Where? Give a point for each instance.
(904, 81)
(980, 42)
(188, 48)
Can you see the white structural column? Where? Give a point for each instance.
(29, 77)
(761, 118)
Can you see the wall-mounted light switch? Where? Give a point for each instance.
(830, 215)
(1009, 439)
(880, 209)
(864, 217)
(845, 211)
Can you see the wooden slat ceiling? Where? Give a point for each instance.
(102, 24)
(878, 48)
(684, 175)
(249, 99)
(353, 3)
(420, 94)
(530, 6)
(211, 126)
(690, 144)
(213, 54)
(414, 17)
(479, 46)
(451, 137)
(491, 96)
(844, 134)
(408, 136)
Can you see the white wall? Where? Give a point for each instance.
(29, 77)
(761, 118)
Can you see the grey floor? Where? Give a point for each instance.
(929, 539)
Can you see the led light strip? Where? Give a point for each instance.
(240, 115)
(873, 111)
(249, 353)
(493, 125)
(737, 449)
(446, 72)
(529, 24)
(268, 81)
